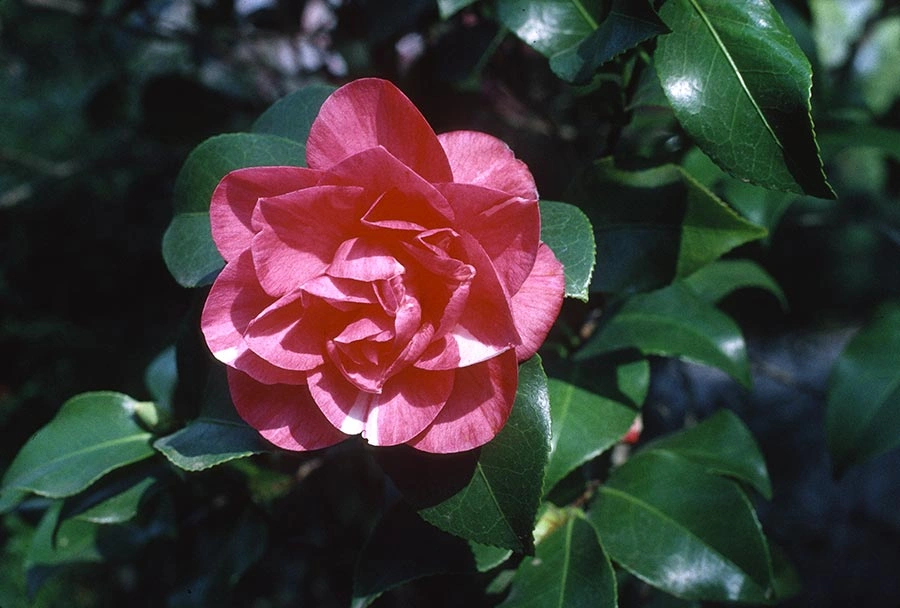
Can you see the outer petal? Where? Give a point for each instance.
(536, 305)
(368, 113)
(481, 401)
(301, 232)
(286, 415)
(481, 159)
(407, 404)
(233, 200)
(509, 228)
(235, 299)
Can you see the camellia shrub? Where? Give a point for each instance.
(395, 307)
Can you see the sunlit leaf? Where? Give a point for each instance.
(549, 26)
(567, 231)
(740, 86)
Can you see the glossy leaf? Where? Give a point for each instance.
(724, 446)
(402, 548)
(628, 23)
(569, 570)
(863, 403)
(188, 249)
(721, 278)
(113, 500)
(448, 8)
(585, 423)
(681, 529)
(293, 115)
(655, 225)
(93, 434)
(549, 26)
(740, 86)
(674, 322)
(500, 502)
(567, 231)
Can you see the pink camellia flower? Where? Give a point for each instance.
(389, 289)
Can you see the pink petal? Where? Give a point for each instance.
(477, 409)
(290, 334)
(285, 415)
(368, 113)
(234, 300)
(233, 200)
(536, 305)
(509, 228)
(483, 160)
(407, 404)
(400, 194)
(300, 233)
(364, 260)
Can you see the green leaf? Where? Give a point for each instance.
(218, 435)
(549, 26)
(402, 548)
(64, 542)
(93, 434)
(690, 533)
(655, 225)
(863, 404)
(740, 86)
(861, 136)
(487, 557)
(567, 231)
(585, 423)
(110, 502)
(293, 115)
(161, 378)
(719, 279)
(188, 248)
(724, 446)
(569, 570)
(674, 322)
(500, 502)
(448, 8)
(628, 23)
(837, 25)
(878, 74)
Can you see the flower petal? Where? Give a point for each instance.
(483, 160)
(509, 228)
(364, 260)
(536, 305)
(300, 233)
(285, 415)
(290, 334)
(233, 201)
(368, 113)
(407, 404)
(234, 300)
(477, 409)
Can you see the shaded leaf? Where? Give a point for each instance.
(402, 548)
(567, 231)
(674, 322)
(863, 403)
(65, 542)
(91, 435)
(293, 115)
(690, 533)
(569, 570)
(500, 502)
(724, 446)
(585, 423)
(113, 500)
(161, 377)
(628, 23)
(719, 279)
(740, 86)
(487, 557)
(448, 8)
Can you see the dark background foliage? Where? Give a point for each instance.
(100, 102)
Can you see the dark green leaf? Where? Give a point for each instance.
(188, 249)
(402, 548)
(863, 410)
(161, 377)
(293, 115)
(688, 532)
(719, 279)
(723, 445)
(71, 541)
(500, 502)
(448, 8)
(569, 570)
(628, 23)
(674, 322)
(567, 231)
(550, 26)
(487, 557)
(588, 422)
(861, 136)
(740, 86)
(110, 503)
(93, 434)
